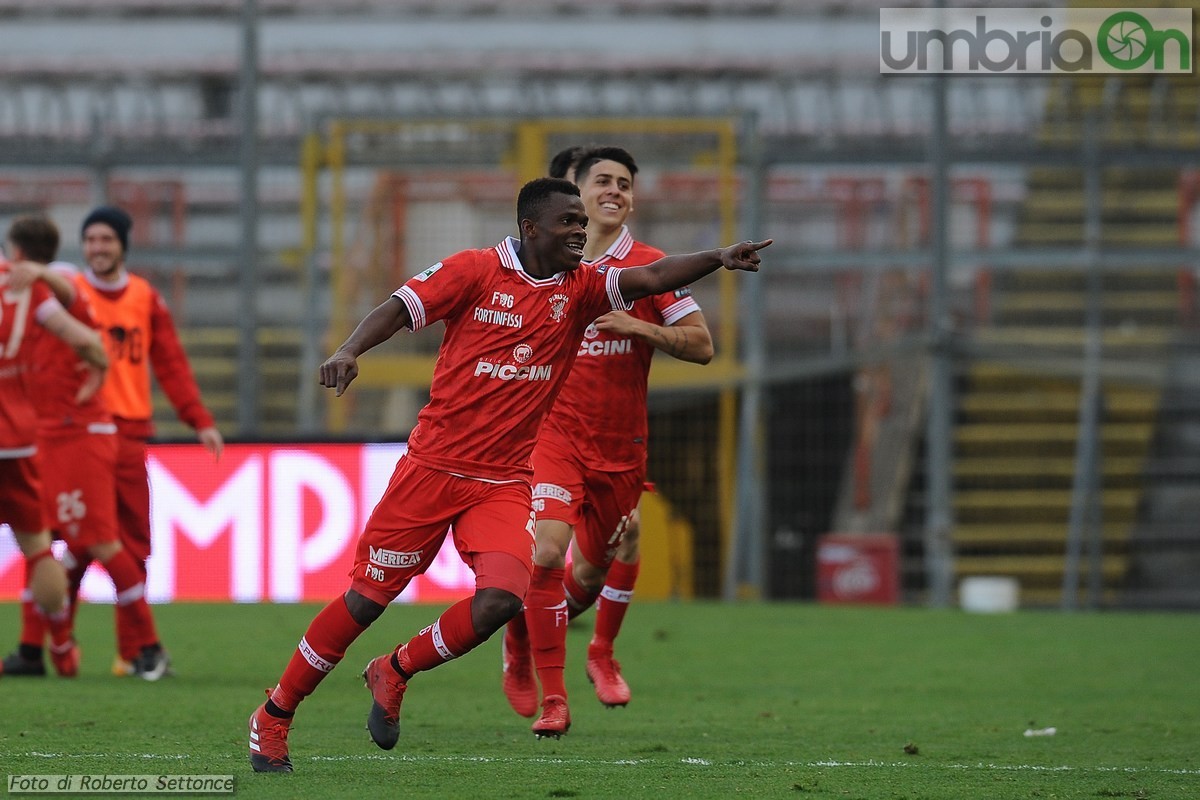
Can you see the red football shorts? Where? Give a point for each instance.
(492, 527)
(78, 473)
(21, 495)
(590, 501)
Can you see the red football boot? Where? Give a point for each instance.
(555, 719)
(387, 693)
(520, 686)
(268, 741)
(65, 658)
(605, 673)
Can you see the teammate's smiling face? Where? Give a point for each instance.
(102, 249)
(607, 191)
(558, 235)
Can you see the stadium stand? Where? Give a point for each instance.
(843, 151)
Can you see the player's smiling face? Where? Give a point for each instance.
(561, 234)
(102, 249)
(607, 191)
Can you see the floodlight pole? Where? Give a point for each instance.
(939, 558)
(746, 562)
(1086, 520)
(98, 150)
(248, 278)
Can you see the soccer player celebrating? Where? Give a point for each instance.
(514, 316)
(78, 452)
(590, 462)
(23, 306)
(141, 337)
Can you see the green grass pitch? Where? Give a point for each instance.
(756, 700)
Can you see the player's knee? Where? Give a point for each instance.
(627, 550)
(491, 609)
(588, 576)
(48, 584)
(102, 552)
(550, 554)
(33, 543)
(362, 609)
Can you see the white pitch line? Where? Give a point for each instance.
(689, 761)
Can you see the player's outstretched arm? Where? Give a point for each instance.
(688, 339)
(672, 272)
(384, 321)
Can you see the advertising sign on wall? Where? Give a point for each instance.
(267, 523)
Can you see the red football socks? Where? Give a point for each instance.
(322, 647)
(579, 599)
(33, 622)
(134, 618)
(546, 615)
(452, 635)
(517, 627)
(62, 628)
(614, 600)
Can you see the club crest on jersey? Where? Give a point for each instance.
(522, 353)
(558, 307)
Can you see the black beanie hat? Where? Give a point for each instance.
(114, 218)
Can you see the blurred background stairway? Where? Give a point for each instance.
(1018, 425)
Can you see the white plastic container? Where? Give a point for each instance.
(989, 594)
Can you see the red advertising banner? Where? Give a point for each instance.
(274, 523)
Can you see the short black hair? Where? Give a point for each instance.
(564, 160)
(36, 235)
(594, 155)
(535, 194)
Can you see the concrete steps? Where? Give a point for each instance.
(213, 352)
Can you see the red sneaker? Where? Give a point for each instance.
(268, 741)
(605, 673)
(519, 684)
(555, 719)
(65, 658)
(387, 693)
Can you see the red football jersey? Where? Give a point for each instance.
(509, 344)
(57, 377)
(601, 412)
(19, 313)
